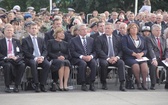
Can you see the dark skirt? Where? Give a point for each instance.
(57, 64)
(131, 62)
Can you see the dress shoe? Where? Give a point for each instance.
(66, 89)
(166, 85)
(61, 89)
(144, 87)
(122, 86)
(139, 87)
(152, 87)
(37, 88)
(16, 90)
(104, 86)
(53, 87)
(92, 87)
(7, 90)
(42, 88)
(84, 87)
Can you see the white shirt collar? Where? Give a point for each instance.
(8, 39)
(81, 37)
(32, 36)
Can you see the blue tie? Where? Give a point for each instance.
(36, 53)
(110, 48)
(85, 45)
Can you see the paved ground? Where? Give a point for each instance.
(78, 97)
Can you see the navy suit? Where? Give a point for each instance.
(12, 68)
(129, 47)
(76, 50)
(102, 53)
(27, 46)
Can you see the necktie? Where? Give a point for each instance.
(9, 46)
(85, 45)
(160, 48)
(36, 53)
(110, 48)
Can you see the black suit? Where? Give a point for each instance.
(27, 46)
(153, 52)
(94, 36)
(76, 50)
(48, 36)
(102, 53)
(12, 68)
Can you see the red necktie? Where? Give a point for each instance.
(160, 48)
(9, 46)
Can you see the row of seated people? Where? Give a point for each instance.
(83, 52)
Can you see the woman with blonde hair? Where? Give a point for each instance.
(58, 53)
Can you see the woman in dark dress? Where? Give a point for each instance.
(58, 53)
(134, 47)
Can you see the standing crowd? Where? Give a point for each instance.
(56, 42)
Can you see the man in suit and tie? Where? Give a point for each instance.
(83, 55)
(108, 49)
(131, 19)
(114, 17)
(100, 27)
(35, 53)
(152, 20)
(57, 22)
(157, 51)
(122, 30)
(11, 59)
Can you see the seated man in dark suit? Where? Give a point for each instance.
(35, 53)
(108, 49)
(100, 27)
(83, 55)
(11, 59)
(158, 51)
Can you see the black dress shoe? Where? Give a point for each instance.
(152, 87)
(66, 89)
(16, 90)
(84, 87)
(166, 85)
(43, 89)
(122, 88)
(104, 86)
(7, 90)
(53, 87)
(37, 88)
(61, 89)
(92, 87)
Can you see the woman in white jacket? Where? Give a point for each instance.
(146, 7)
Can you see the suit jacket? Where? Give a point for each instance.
(102, 47)
(94, 36)
(135, 21)
(77, 49)
(149, 24)
(16, 46)
(27, 47)
(48, 36)
(153, 48)
(56, 49)
(129, 47)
